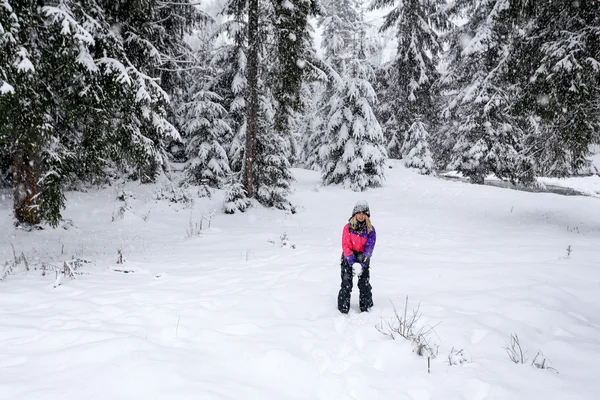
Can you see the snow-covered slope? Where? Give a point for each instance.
(246, 308)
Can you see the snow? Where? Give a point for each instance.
(288, 5)
(589, 185)
(24, 65)
(245, 307)
(85, 59)
(6, 88)
(70, 27)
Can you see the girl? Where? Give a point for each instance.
(358, 242)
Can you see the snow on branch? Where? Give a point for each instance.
(5, 88)
(113, 65)
(25, 65)
(165, 126)
(143, 80)
(85, 58)
(69, 25)
(152, 50)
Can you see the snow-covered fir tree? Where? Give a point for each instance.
(557, 65)
(59, 138)
(272, 63)
(153, 37)
(271, 166)
(310, 125)
(203, 120)
(292, 35)
(412, 74)
(417, 151)
(353, 154)
(235, 199)
(487, 137)
(204, 129)
(230, 63)
(293, 38)
(522, 88)
(338, 23)
(387, 108)
(229, 59)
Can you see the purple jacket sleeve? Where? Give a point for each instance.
(370, 244)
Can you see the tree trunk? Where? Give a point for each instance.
(26, 188)
(252, 110)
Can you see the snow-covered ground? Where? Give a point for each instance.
(590, 185)
(237, 312)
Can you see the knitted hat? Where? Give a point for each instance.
(361, 206)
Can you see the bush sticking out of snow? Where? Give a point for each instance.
(406, 326)
(540, 361)
(10, 266)
(175, 194)
(517, 355)
(69, 268)
(235, 198)
(514, 350)
(195, 228)
(285, 241)
(458, 357)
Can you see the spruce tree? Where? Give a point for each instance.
(203, 119)
(235, 199)
(276, 49)
(272, 167)
(417, 151)
(557, 57)
(204, 129)
(412, 74)
(522, 88)
(387, 109)
(294, 48)
(487, 138)
(153, 36)
(230, 61)
(338, 22)
(71, 102)
(310, 125)
(353, 154)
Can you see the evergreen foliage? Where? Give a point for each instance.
(353, 153)
(417, 151)
(408, 83)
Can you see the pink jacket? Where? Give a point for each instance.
(361, 242)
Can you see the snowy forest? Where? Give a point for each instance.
(237, 92)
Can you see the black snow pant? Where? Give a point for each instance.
(365, 300)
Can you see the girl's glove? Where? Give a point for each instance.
(350, 259)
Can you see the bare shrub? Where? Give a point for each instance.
(514, 350)
(458, 357)
(540, 361)
(10, 266)
(7, 270)
(517, 355)
(68, 269)
(406, 326)
(194, 228)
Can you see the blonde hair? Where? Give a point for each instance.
(354, 223)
